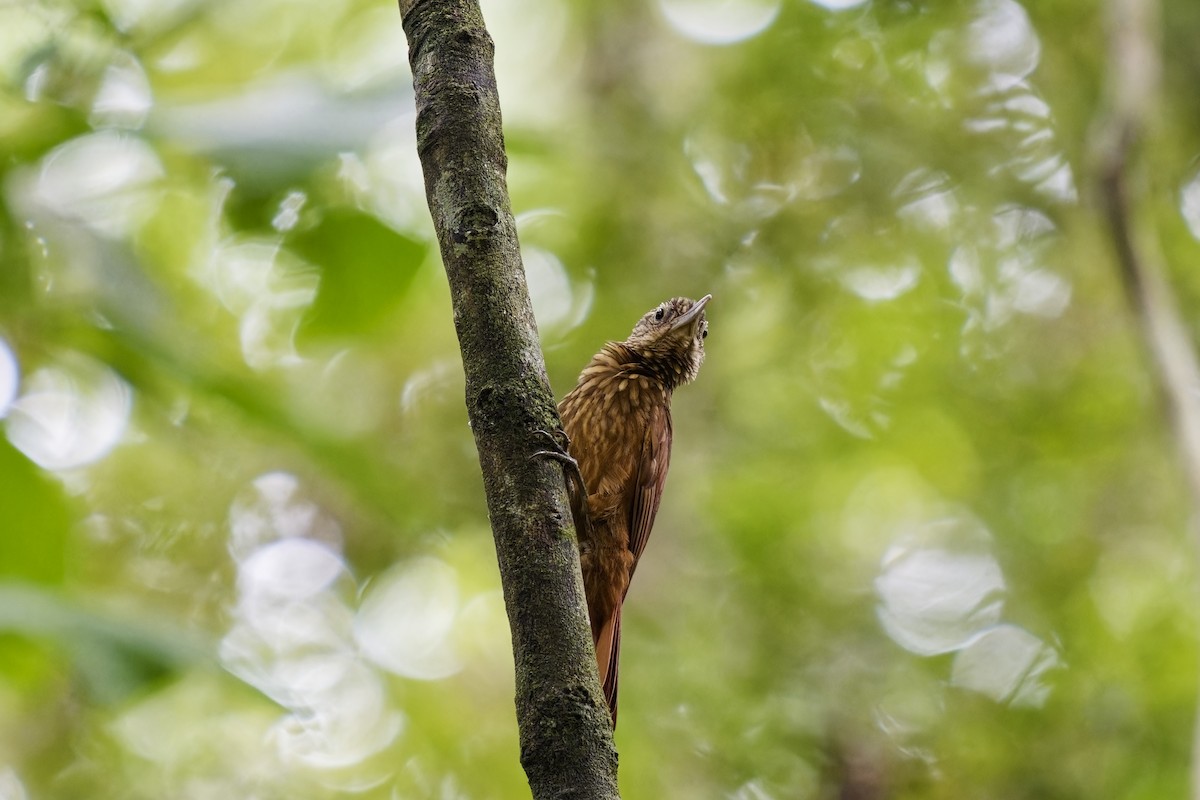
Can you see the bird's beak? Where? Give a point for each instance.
(692, 314)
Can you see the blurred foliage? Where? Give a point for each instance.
(924, 535)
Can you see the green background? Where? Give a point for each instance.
(925, 534)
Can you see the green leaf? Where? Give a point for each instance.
(366, 269)
(113, 656)
(36, 520)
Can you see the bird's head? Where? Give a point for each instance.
(671, 338)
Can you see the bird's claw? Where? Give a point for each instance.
(561, 444)
(559, 456)
(558, 439)
(576, 488)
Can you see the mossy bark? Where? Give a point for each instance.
(566, 740)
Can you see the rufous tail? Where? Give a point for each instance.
(608, 653)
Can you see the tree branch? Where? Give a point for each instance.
(1132, 88)
(1134, 67)
(566, 738)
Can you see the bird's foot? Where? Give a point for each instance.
(558, 440)
(560, 445)
(560, 452)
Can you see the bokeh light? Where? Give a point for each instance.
(719, 21)
(71, 414)
(10, 376)
(922, 506)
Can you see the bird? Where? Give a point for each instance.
(616, 449)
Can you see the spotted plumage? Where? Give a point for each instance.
(618, 420)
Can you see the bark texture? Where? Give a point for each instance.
(566, 740)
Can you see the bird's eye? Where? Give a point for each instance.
(658, 315)
(705, 334)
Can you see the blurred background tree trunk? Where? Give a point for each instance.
(1133, 81)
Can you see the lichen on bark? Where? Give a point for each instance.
(565, 734)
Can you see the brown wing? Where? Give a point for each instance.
(644, 498)
(650, 479)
